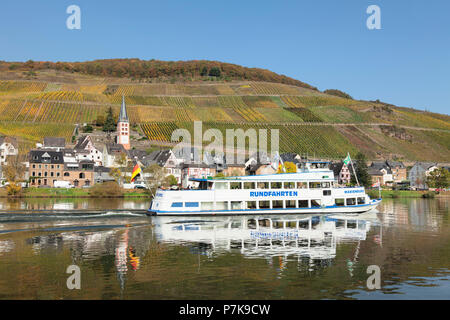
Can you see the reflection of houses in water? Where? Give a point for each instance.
(311, 237)
(422, 213)
(125, 245)
(417, 213)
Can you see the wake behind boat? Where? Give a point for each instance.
(310, 190)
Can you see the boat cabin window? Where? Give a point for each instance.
(263, 185)
(264, 204)
(236, 205)
(205, 185)
(315, 185)
(291, 203)
(351, 201)
(251, 204)
(221, 185)
(177, 204)
(277, 204)
(326, 185)
(249, 185)
(191, 204)
(327, 192)
(303, 204)
(302, 185)
(275, 185)
(207, 205)
(289, 185)
(221, 205)
(316, 203)
(340, 202)
(235, 185)
(361, 200)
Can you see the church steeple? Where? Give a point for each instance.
(123, 117)
(123, 127)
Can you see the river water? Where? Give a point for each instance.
(123, 254)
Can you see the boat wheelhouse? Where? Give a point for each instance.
(310, 190)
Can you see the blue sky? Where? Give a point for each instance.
(325, 42)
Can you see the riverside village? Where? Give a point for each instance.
(108, 159)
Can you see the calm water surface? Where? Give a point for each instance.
(125, 255)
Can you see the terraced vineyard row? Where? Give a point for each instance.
(339, 114)
(61, 95)
(273, 89)
(159, 131)
(250, 114)
(31, 133)
(305, 114)
(52, 111)
(313, 140)
(21, 86)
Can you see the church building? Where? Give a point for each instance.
(123, 127)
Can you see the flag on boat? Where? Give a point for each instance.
(376, 185)
(136, 170)
(347, 159)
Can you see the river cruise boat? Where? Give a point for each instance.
(311, 190)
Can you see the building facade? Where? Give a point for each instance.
(46, 167)
(418, 174)
(80, 174)
(195, 171)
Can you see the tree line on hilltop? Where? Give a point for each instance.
(154, 69)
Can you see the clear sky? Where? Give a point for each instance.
(323, 42)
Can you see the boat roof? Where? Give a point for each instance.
(306, 175)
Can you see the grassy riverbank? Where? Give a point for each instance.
(402, 194)
(71, 193)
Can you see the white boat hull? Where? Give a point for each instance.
(320, 210)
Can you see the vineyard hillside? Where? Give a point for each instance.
(53, 100)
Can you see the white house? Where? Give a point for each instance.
(8, 147)
(86, 151)
(112, 154)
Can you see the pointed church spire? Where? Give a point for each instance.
(123, 117)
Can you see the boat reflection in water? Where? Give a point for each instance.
(313, 236)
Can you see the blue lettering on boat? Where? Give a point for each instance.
(354, 191)
(273, 193)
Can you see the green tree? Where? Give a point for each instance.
(157, 176)
(13, 170)
(87, 128)
(171, 180)
(214, 72)
(439, 178)
(116, 174)
(361, 171)
(204, 72)
(122, 160)
(110, 124)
